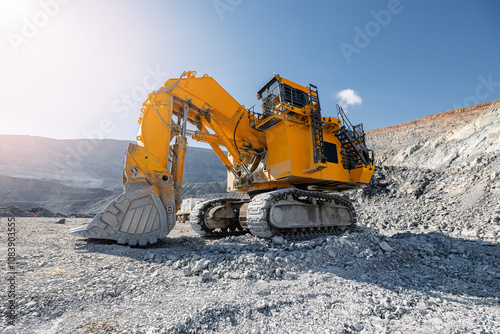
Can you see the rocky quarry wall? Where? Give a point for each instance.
(442, 173)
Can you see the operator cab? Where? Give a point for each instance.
(277, 90)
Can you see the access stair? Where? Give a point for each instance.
(317, 126)
(352, 139)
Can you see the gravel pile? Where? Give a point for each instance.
(359, 281)
(424, 258)
(462, 202)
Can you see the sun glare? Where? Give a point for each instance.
(12, 12)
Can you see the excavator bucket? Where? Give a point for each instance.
(145, 212)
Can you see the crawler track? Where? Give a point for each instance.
(260, 205)
(197, 218)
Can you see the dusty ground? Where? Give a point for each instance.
(362, 281)
(425, 258)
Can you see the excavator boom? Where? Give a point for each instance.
(285, 158)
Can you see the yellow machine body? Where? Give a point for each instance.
(287, 145)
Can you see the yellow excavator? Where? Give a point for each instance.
(287, 157)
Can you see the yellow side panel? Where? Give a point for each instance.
(291, 154)
(300, 145)
(362, 175)
(278, 158)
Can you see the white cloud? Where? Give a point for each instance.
(348, 97)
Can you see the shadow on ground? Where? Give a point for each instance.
(426, 262)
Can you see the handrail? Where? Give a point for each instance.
(341, 114)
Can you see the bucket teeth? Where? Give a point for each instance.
(134, 218)
(81, 231)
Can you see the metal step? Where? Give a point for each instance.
(317, 126)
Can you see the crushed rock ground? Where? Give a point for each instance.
(424, 258)
(366, 281)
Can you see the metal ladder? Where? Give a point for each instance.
(350, 156)
(317, 126)
(352, 139)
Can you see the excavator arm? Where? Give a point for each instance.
(153, 170)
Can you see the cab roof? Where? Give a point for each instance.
(278, 78)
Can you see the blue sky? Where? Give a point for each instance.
(76, 69)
